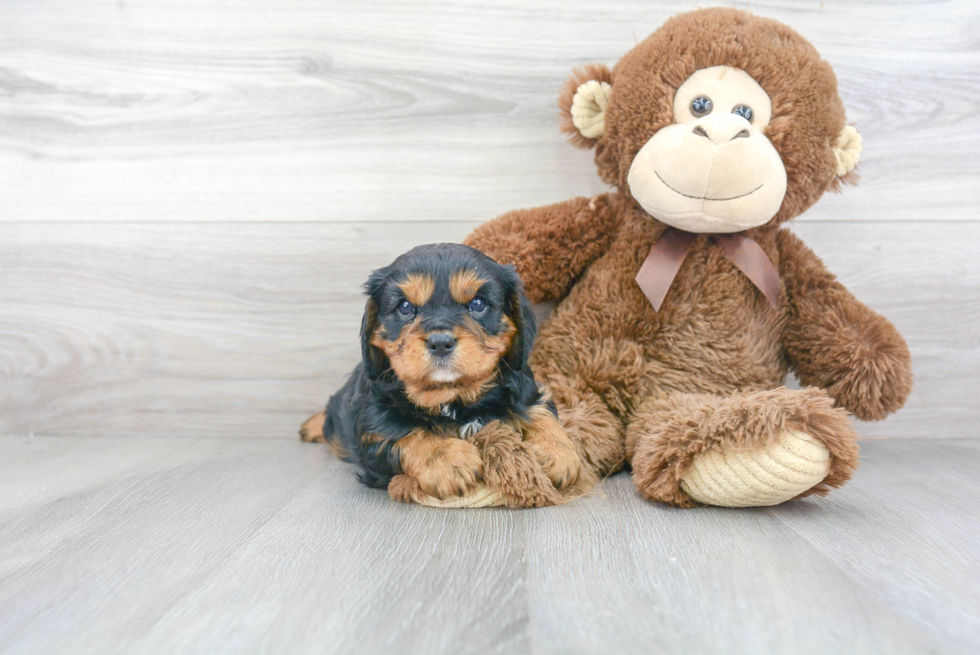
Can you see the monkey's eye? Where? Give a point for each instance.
(701, 106)
(744, 111)
(477, 305)
(406, 308)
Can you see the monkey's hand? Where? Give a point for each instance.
(836, 342)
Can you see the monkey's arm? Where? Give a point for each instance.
(551, 245)
(835, 342)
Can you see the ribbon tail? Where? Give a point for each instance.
(663, 262)
(752, 260)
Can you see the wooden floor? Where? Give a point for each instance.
(145, 545)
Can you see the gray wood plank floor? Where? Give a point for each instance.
(147, 545)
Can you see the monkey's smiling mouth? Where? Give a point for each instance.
(705, 197)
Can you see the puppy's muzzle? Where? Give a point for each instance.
(440, 344)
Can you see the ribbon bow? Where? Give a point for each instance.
(667, 255)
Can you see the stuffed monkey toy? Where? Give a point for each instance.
(681, 302)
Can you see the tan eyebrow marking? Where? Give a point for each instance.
(418, 288)
(464, 285)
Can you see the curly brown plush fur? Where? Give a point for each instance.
(657, 388)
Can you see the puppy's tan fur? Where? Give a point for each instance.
(464, 285)
(418, 288)
(441, 465)
(476, 357)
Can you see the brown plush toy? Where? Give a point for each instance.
(681, 303)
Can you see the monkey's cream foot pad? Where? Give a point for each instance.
(793, 463)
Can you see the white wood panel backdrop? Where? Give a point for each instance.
(191, 192)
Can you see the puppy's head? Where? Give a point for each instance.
(445, 319)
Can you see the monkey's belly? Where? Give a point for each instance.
(611, 347)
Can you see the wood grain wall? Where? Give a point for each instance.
(191, 192)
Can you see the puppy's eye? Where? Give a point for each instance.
(701, 106)
(406, 308)
(477, 305)
(744, 111)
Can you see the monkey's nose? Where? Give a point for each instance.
(440, 344)
(722, 129)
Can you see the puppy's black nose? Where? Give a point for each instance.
(440, 344)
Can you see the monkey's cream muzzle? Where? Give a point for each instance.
(717, 172)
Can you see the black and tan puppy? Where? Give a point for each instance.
(445, 339)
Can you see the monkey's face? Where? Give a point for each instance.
(719, 121)
(713, 169)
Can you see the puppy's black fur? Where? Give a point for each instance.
(372, 411)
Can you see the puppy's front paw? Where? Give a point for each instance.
(553, 449)
(442, 466)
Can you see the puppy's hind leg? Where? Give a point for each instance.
(312, 428)
(315, 429)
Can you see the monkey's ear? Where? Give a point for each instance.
(582, 104)
(847, 151)
(375, 361)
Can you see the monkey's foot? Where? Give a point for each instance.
(794, 463)
(749, 449)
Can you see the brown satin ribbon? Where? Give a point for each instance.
(667, 255)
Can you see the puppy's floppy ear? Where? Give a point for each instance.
(375, 361)
(519, 311)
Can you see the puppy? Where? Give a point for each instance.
(445, 339)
